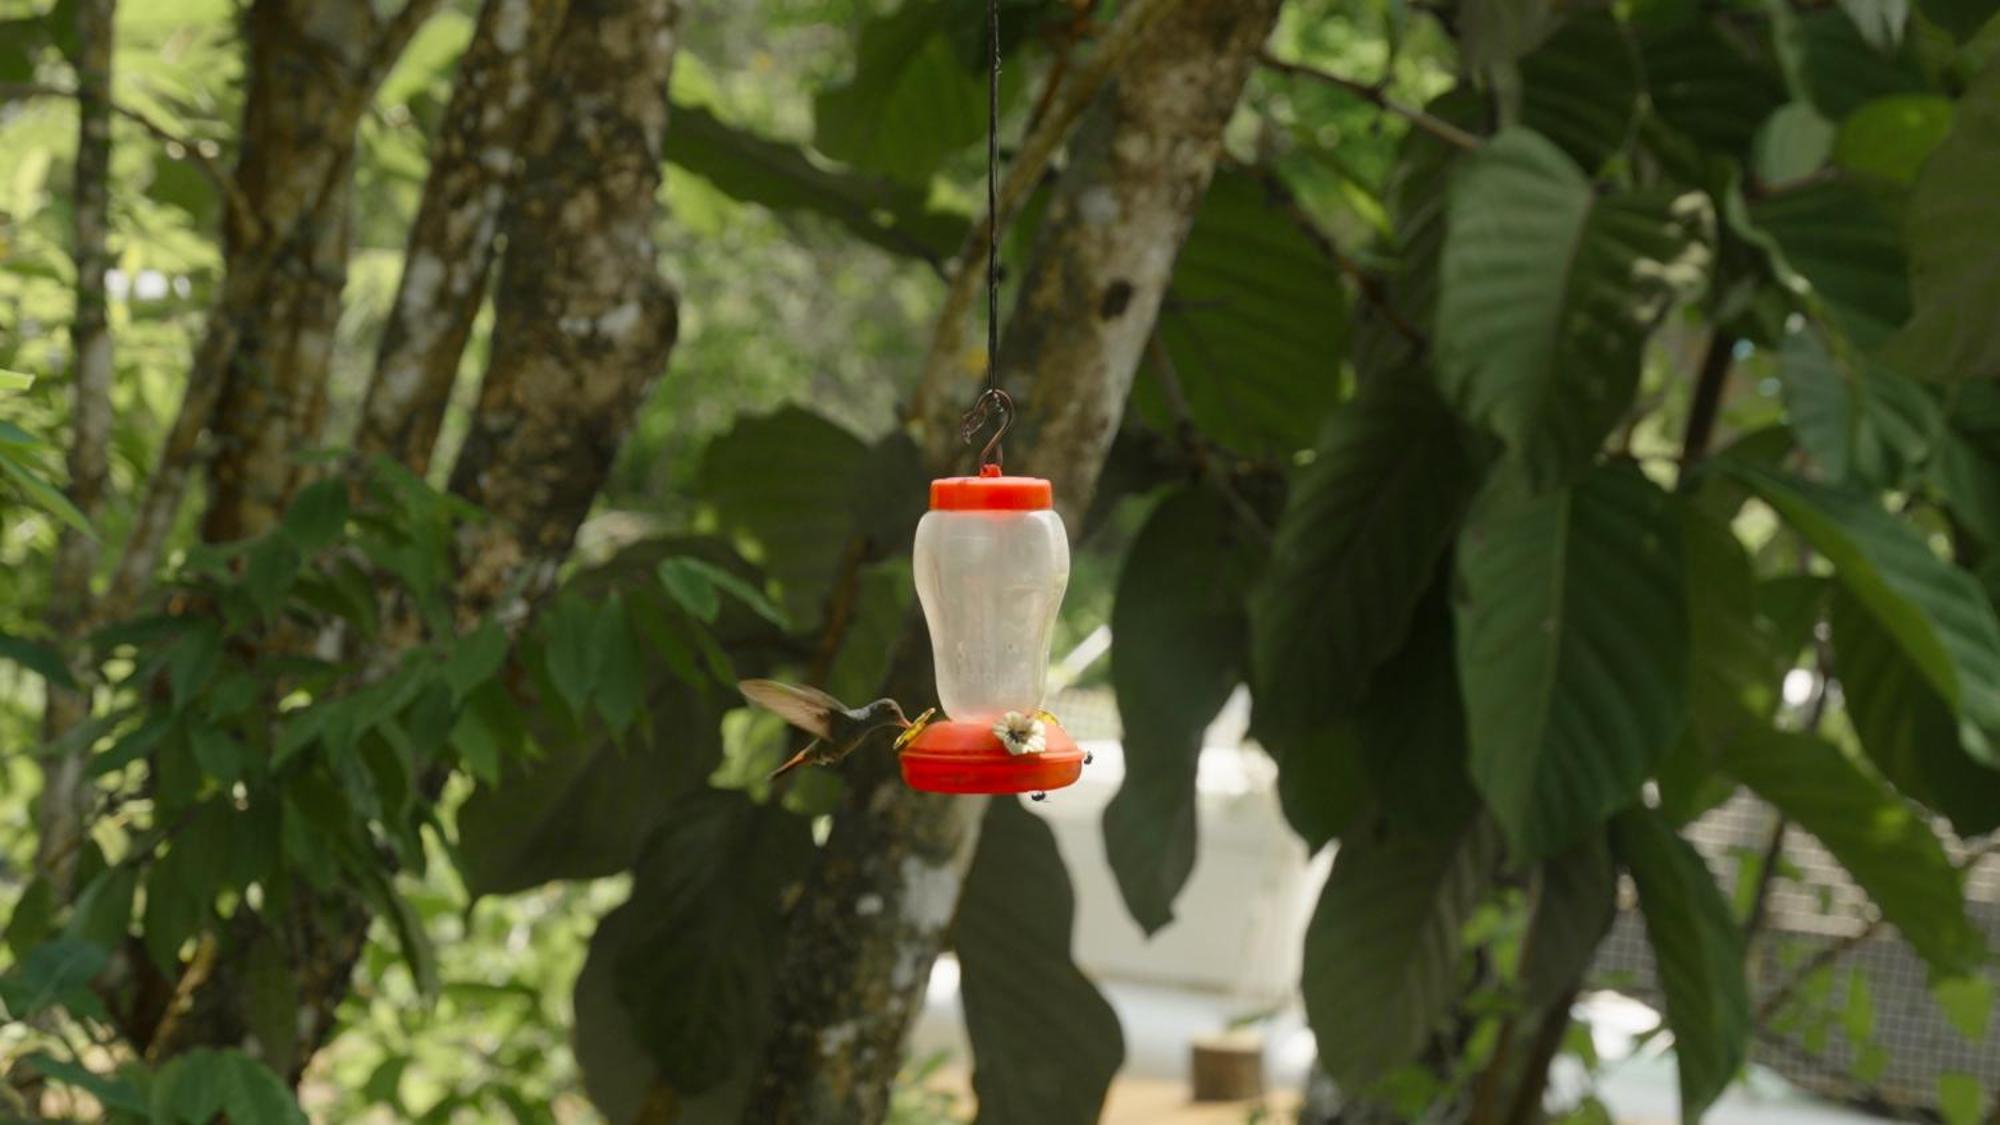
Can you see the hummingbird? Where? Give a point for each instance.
(837, 729)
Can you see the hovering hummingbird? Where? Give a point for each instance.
(836, 728)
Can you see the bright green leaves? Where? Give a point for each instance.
(1362, 534)
(1045, 1043)
(1937, 612)
(1955, 275)
(1179, 640)
(1575, 682)
(1253, 305)
(1382, 950)
(1878, 838)
(1548, 291)
(1698, 950)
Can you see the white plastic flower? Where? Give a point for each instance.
(1021, 734)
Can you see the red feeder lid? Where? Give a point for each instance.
(954, 757)
(991, 492)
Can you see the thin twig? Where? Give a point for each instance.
(1708, 387)
(1436, 126)
(178, 146)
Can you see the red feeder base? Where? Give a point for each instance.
(953, 757)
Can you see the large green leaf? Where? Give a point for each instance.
(1573, 650)
(1835, 238)
(203, 1084)
(1252, 323)
(582, 808)
(912, 101)
(695, 963)
(1704, 87)
(1841, 70)
(1410, 729)
(1906, 728)
(786, 481)
(1581, 88)
(1698, 953)
(1178, 648)
(1963, 18)
(1575, 902)
(1321, 786)
(1361, 536)
(1937, 612)
(1857, 419)
(895, 216)
(1548, 291)
(1736, 666)
(1382, 950)
(1045, 1045)
(1955, 275)
(1878, 838)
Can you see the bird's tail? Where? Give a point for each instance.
(802, 758)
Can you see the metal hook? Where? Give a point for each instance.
(992, 399)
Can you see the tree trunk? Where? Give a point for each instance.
(587, 323)
(1140, 163)
(65, 790)
(584, 320)
(474, 160)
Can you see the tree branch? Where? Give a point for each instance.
(1707, 404)
(1437, 127)
(932, 406)
(475, 160)
(64, 802)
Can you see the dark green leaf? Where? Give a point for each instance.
(1255, 308)
(1906, 728)
(1837, 239)
(1321, 788)
(572, 659)
(317, 516)
(1698, 951)
(1575, 901)
(911, 102)
(1361, 536)
(1178, 644)
(1580, 89)
(1892, 853)
(1963, 18)
(111, 1091)
(1573, 651)
(1955, 279)
(197, 1086)
(621, 681)
(475, 658)
(1045, 1044)
(1702, 86)
(691, 587)
(1548, 291)
(1936, 612)
(57, 972)
(1382, 951)
(42, 659)
(1410, 729)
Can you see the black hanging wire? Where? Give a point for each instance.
(992, 399)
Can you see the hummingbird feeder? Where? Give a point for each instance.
(992, 562)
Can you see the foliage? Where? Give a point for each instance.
(1512, 478)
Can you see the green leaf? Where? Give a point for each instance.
(1698, 951)
(1581, 88)
(1961, 1098)
(1179, 635)
(317, 515)
(1905, 727)
(1793, 144)
(571, 656)
(1495, 33)
(1548, 291)
(1962, 18)
(911, 102)
(1840, 69)
(1967, 1002)
(475, 658)
(1888, 849)
(698, 962)
(1045, 1044)
(1254, 304)
(1573, 651)
(43, 659)
(1737, 669)
(1575, 902)
(787, 482)
(740, 589)
(582, 809)
(691, 587)
(486, 732)
(54, 973)
(196, 655)
(1703, 86)
(112, 1091)
(1936, 612)
(197, 1086)
(1357, 546)
(1889, 138)
(1410, 729)
(1838, 241)
(1321, 788)
(1382, 950)
(1955, 279)
(43, 494)
(621, 682)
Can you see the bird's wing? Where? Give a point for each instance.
(803, 707)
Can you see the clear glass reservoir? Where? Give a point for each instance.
(990, 572)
